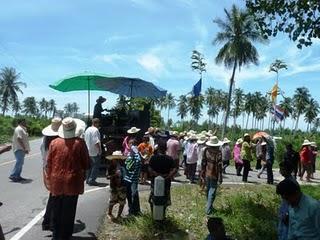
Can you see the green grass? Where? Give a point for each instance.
(249, 212)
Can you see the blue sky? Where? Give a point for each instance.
(46, 40)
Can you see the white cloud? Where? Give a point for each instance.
(111, 58)
(151, 63)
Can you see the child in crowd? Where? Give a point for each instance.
(117, 186)
(146, 151)
(216, 229)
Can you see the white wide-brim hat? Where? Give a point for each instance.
(213, 142)
(239, 141)
(226, 140)
(116, 155)
(313, 144)
(52, 129)
(133, 130)
(71, 127)
(201, 139)
(306, 143)
(193, 137)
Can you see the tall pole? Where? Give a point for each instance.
(88, 119)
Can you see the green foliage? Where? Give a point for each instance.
(34, 125)
(299, 19)
(248, 212)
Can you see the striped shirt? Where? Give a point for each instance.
(133, 167)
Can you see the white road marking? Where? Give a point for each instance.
(28, 156)
(34, 221)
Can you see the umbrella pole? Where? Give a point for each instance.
(88, 101)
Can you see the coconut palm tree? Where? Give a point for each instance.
(44, 106)
(276, 66)
(237, 104)
(238, 31)
(75, 107)
(52, 107)
(311, 112)
(249, 106)
(316, 123)
(286, 105)
(300, 100)
(198, 64)
(9, 87)
(211, 101)
(182, 107)
(169, 103)
(195, 106)
(30, 107)
(16, 107)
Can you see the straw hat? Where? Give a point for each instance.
(246, 135)
(226, 140)
(71, 127)
(239, 141)
(306, 143)
(201, 139)
(193, 137)
(116, 155)
(213, 142)
(101, 99)
(313, 144)
(174, 134)
(52, 129)
(133, 130)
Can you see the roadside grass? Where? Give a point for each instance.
(249, 212)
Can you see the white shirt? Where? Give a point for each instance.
(92, 137)
(20, 133)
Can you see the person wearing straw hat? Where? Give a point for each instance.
(132, 133)
(131, 179)
(97, 111)
(93, 141)
(226, 154)
(20, 147)
(306, 160)
(201, 147)
(246, 156)
(117, 186)
(67, 162)
(174, 148)
(237, 156)
(211, 170)
(313, 147)
(192, 157)
(49, 134)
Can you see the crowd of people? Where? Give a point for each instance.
(71, 156)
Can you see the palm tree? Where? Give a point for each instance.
(237, 104)
(198, 64)
(300, 100)
(249, 106)
(68, 109)
(52, 107)
(16, 107)
(276, 66)
(195, 106)
(9, 87)
(316, 123)
(311, 112)
(212, 103)
(44, 106)
(75, 107)
(182, 107)
(238, 33)
(169, 103)
(30, 106)
(286, 105)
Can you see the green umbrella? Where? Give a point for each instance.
(80, 82)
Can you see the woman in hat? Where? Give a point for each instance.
(132, 133)
(226, 154)
(237, 156)
(192, 158)
(306, 160)
(67, 162)
(97, 111)
(49, 134)
(117, 186)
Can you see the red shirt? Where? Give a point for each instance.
(306, 156)
(68, 159)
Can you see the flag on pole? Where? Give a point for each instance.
(278, 113)
(196, 90)
(274, 93)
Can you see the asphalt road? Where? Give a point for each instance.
(23, 203)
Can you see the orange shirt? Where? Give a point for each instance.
(68, 160)
(145, 149)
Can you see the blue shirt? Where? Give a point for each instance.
(133, 167)
(304, 220)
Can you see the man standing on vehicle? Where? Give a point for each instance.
(93, 142)
(20, 147)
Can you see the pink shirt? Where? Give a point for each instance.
(192, 153)
(237, 154)
(173, 148)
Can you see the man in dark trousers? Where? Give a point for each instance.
(292, 157)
